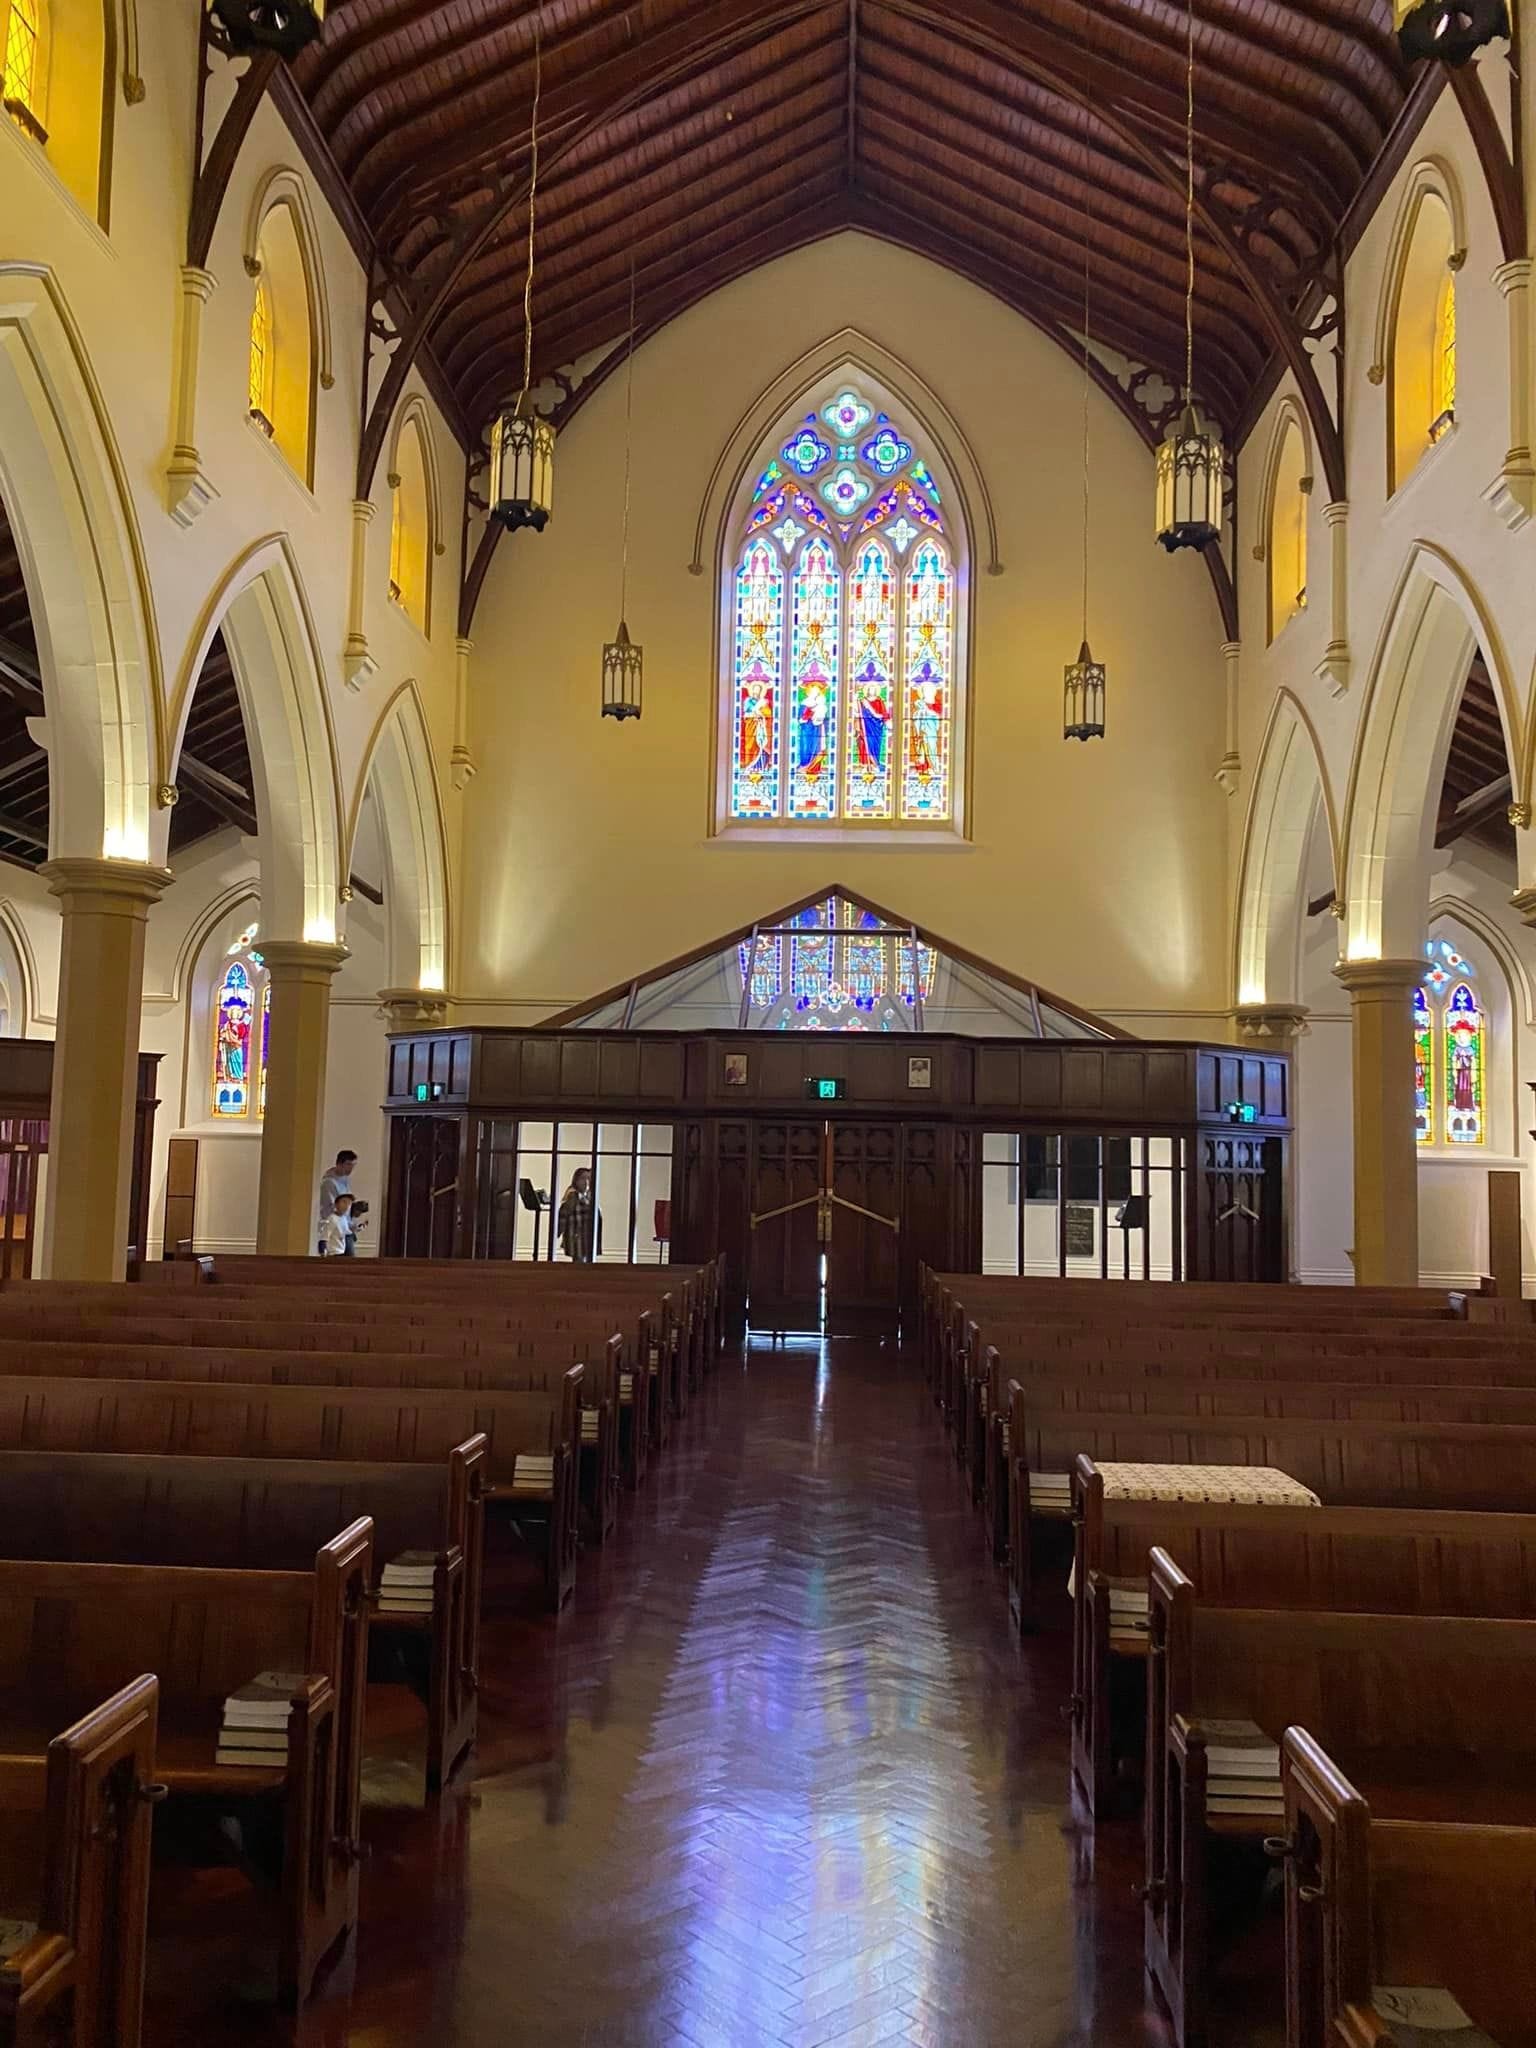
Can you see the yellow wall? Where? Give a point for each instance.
(1098, 869)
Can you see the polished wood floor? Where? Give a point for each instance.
(781, 1779)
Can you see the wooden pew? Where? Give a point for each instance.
(70, 1632)
(273, 1514)
(640, 1396)
(1404, 1560)
(1428, 1715)
(1373, 1902)
(1478, 1467)
(74, 1865)
(531, 1438)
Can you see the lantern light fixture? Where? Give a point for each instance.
(286, 26)
(1448, 30)
(522, 443)
(1085, 678)
(1191, 465)
(623, 661)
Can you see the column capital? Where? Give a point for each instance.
(1524, 901)
(362, 511)
(197, 282)
(1272, 1024)
(404, 1009)
(1513, 276)
(110, 888)
(1336, 513)
(1378, 977)
(302, 959)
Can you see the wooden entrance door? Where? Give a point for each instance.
(1240, 1222)
(824, 1192)
(422, 1222)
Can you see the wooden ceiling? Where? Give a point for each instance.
(710, 135)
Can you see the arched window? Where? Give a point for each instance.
(241, 1018)
(282, 326)
(26, 66)
(1285, 544)
(1449, 1052)
(410, 527)
(1423, 339)
(261, 358)
(841, 584)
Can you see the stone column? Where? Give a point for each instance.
(462, 761)
(105, 909)
(357, 661)
(1334, 667)
(1386, 1156)
(1231, 761)
(188, 490)
(287, 1205)
(1512, 494)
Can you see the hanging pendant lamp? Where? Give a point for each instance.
(1085, 678)
(1190, 461)
(1450, 30)
(623, 661)
(522, 443)
(286, 26)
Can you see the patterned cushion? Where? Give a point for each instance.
(1248, 1485)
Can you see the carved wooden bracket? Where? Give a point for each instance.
(213, 169)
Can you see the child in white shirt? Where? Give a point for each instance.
(336, 1228)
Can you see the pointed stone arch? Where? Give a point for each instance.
(1290, 418)
(1435, 622)
(279, 675)
(1290, 784)
(398, 768)
(72, 514)
(415, 420)
(281, 186)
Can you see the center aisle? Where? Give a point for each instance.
(782, 1776)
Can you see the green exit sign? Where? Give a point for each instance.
(822, 1088)
(1242, 1113)
(429, 1091)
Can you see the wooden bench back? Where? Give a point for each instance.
(1477, 1466)
(1329, 1400)
(1400, 1903)
(365, 1424)
(1406, 1560)
(1216, 1294)
(236, 1514)
(1383, 1683)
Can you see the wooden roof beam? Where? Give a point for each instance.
(1472, 811)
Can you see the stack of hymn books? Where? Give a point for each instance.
(1050, 1493)
(1426, 2016)
(1129, 1613)
(255, 1729)
(1242, 1770)
(405, 1586)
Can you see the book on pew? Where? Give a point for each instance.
(1129, 1610)
(1242, 1770)
(1427, 2016)
(255, 1724)
(533, 1474)
(1051, 1491)
(406, 1583)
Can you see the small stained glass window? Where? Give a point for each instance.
(24, 66)
(1463, 1068)
(242, 1012)
(1423, 1069)
(262, 363)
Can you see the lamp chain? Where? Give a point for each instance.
(533, 189)
(629, 414)
(1087, 380)
(1189, 212)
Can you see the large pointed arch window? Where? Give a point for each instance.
(1450, 1052)
(841, 585)
(242, 1009)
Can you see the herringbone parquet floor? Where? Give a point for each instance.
(781, 1780)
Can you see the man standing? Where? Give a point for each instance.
(336, 1180)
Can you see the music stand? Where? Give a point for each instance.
(1132, 1216)
(536, 1200)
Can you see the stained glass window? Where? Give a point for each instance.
(24, 63)
(1443, 396)
(842, 645)
(1463, 1068)
(1423, 1069)
(232, 1044)
(261, 368)
(242, 1013)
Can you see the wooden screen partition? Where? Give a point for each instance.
(26, 1090)
(909, 1157)
(178, 1230)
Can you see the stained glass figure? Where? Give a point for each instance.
(266, 1046)
(843, 633)
(929, 635)
(231, 1094)
(1463, 1068)
(815, 648)
(872, 684)
(1423, 1069)
(759, 644)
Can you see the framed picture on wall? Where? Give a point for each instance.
(920, 1073)
(735, 1070)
